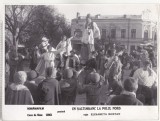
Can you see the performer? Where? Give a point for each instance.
(66, 46)
(47, 60)
(90, 33)
(44, 44)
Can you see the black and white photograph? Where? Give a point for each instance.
(81, 54)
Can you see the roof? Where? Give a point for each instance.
(98, 16)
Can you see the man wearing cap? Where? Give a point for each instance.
(90, 33)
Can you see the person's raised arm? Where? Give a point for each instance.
(58, 51)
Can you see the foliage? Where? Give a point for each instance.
(27, 24)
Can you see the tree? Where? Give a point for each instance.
(17, 18)
(27, 24)
(47, 22)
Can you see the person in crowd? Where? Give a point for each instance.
(62, 44)
(143, 55)
(66, 47)
(49, 92)
(34, 58)
(88, 68)
(152, 56)
(47, 60)
(59, 74)
(31, 85)
(128, 96)
(92, 62)
(7, 67)
(12, 63)
(44, 44)
(73, 60)
(14, 59)
(92, 89)
(113, 69)
(68, 87)
(147, 80)
(134, 68)
(117, 89)
(101, 59)
(90, 34)
(17, 93)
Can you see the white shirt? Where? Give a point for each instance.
(144, 78)
(89, 34)
(62, 45)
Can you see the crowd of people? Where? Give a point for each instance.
(57, 75)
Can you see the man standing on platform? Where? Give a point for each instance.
(90, 33)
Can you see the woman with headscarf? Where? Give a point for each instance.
(17, 93)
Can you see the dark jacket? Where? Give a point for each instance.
(92, 63)
(68, 94)
(125, 100)
(33, 89)
(92, 93)
(18, 95)
(49, 92)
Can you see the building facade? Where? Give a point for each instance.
(129, 31)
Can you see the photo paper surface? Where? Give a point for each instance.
(80, 62)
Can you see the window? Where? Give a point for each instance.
(146, 35)
(113, 33)
(78, 33)
(103, 34)
(123, 33)
(133, 33)
(155, 36)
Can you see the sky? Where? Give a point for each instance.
(70, 10)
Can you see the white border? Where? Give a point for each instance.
(127, 112)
